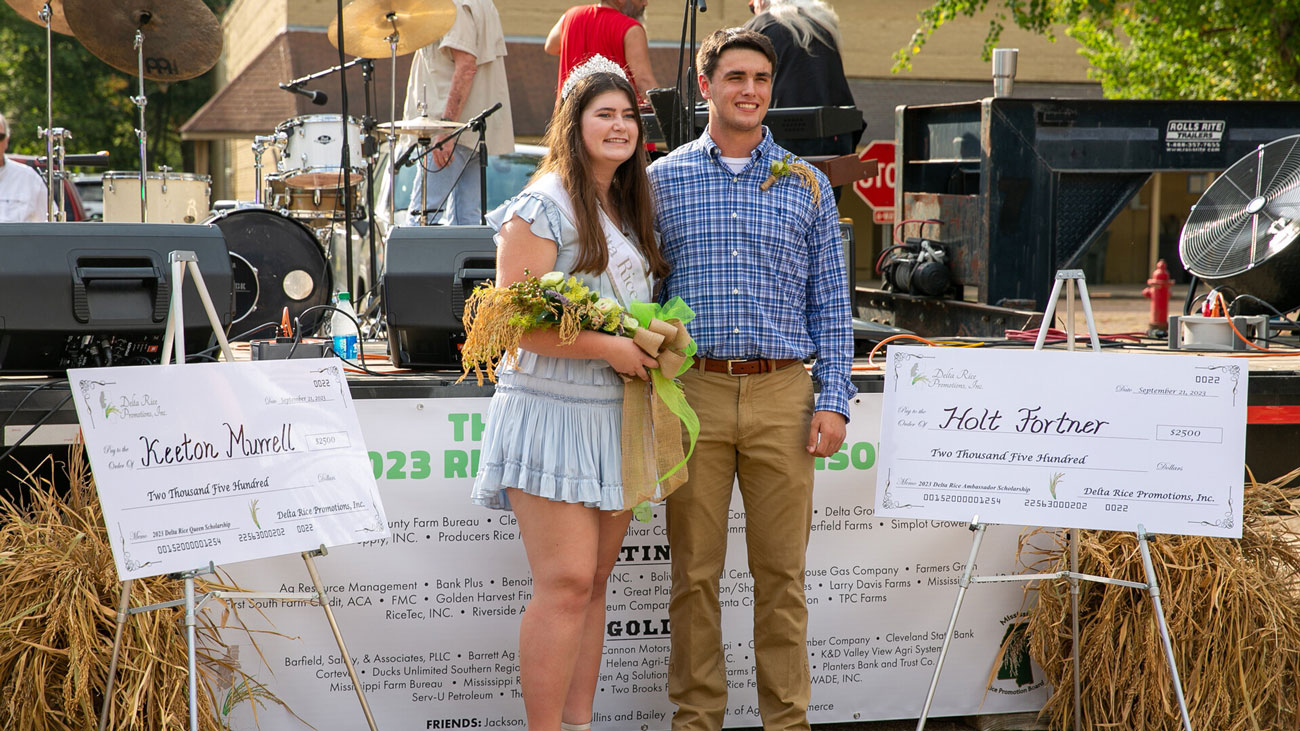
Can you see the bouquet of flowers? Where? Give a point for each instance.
(496, 318)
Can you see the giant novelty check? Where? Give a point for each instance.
(224, 462)
(1073, 440)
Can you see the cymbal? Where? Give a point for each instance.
(182, 38)
(31, 10)
(367, 24)
(419, 126)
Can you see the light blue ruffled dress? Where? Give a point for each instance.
(553, 426)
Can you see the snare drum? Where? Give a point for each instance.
(173, 197)
(311, 205)
(278, 263)
(313, 151)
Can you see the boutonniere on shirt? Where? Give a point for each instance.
(783, 167)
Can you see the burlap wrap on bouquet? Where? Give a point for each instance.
(655, 412)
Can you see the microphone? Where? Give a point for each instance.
(317, 97)
(479, 120)
(405, 159)
(704, 6)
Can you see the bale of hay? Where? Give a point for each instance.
(1233, 616)
(58, 619)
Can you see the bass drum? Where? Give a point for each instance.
(277, 263)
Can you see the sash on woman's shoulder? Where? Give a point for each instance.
(627, 267)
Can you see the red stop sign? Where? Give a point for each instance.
(878, 191)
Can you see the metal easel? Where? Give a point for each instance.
(1069, 277)
(181, 261)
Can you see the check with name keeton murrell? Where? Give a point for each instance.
(1074, 440)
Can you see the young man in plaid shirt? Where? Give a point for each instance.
(764, 272)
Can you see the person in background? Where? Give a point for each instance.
(764, 272)
(22, 191)
(611, 28)
(809, 70)
(455, 79)
(552, 448)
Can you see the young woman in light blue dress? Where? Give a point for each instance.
(551, 449)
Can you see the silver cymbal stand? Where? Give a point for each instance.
(392, 39)
(46, 15)
(141, 101)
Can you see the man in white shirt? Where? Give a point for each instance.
(22, 192)
(455, 79)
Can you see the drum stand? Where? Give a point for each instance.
(140, 102)
(260, 143)
(55, 159)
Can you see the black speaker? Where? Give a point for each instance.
(429, 272)
(97, 294)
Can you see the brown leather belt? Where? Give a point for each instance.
(749, 367)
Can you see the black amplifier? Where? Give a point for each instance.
(430, 270)
(92, 294)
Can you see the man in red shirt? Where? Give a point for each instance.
(611, 28)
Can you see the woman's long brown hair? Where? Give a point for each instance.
(629, 193)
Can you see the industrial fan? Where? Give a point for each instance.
(1242, 233)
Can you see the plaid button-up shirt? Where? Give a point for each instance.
(763, 271)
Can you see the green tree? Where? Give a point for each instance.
(1171, 49)
(92, 100)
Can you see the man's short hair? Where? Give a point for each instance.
(706, 59)
(4, 123)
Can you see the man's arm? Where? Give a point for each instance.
(461, 81)
(636, 48)
(553, 39)
(830, 324)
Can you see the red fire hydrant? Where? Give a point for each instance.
(1157, 290)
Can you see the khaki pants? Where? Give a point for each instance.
(754, 428)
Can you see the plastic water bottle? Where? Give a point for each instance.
(343, 329)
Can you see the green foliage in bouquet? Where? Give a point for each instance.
(496, 318)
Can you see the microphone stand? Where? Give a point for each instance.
(346, 154)
(368, 151)
(301, 80)
(477, 124)
(453, 138)
(687, 85)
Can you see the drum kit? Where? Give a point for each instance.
(290, 244)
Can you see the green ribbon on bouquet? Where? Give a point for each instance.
(673, 348)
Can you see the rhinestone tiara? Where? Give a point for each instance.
(597, 64)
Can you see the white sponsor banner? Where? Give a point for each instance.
(1079, 440)
(218, 462)
(431, 614)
